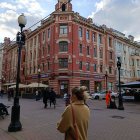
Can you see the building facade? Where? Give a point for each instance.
(70, 50)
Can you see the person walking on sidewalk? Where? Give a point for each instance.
(75, 119)
(108, 98)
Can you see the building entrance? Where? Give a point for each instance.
(97, 86)
(64, 86)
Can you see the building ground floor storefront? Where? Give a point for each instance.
(64, 84)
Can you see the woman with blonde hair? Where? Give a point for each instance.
(75, 119)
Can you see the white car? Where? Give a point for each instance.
(101, 95)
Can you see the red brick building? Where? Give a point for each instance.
(69, 50)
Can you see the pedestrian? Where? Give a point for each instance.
(108, 98)
(67, 99)
(86, 95)
(46, 96)
(75, 119)
(113, 103)
(36, 95)
(9, 95)
(52, 97)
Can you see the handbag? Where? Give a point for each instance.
(74, 123)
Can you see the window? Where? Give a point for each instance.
(100, 38)
(24, 58)
(63, 7)
(63, 46)
(44, 35)
(63, 29)
(48, 65)
(48, 48)
(88, 50)
(132, 62)
(110, 41)
(87, 66)
(43, 50)
(101, 54)
(94, 37)
(138, 62)
(35, 40)
(80, 31)
(95, 67)
(80, 65)
(80, 48)
(63, 62)
(138, 73)
(43, 67)
(49, 33)
(34, 69)
(110, 70)
(23, 71)
(30, 55)
(87, 34)
(95, 52)
(101, 68)
(30, 70)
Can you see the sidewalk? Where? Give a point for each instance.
(105, 124)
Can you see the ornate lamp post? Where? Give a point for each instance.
(15, 124)
(106, 76)
(120, 107)
(38, 78)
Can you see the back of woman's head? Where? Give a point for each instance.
(78, 92)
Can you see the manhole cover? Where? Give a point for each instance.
(118, 117)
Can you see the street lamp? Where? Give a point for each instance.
(38, 78)
(120, 107)
(106, 76)
(15, 124)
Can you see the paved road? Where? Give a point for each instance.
(105, 124)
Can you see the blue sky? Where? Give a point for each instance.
(122, 15)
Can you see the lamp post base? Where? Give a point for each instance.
(15, 124)
(120, 107)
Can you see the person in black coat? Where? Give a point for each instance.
(46, 96)
(52, 97)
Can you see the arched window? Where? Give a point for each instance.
(63, 46)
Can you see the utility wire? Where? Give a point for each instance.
(47, 16)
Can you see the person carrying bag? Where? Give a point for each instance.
(75, 119)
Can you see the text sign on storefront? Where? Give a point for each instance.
(98, 77)
(41, 76)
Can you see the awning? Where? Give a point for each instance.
(20, 86)
(9, 84)
(134, 84)
(33, 85)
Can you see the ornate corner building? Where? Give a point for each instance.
(71, 50)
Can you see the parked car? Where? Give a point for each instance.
(101, 95)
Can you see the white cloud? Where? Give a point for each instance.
(8, 6)
(9, 12)
(120, 15)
